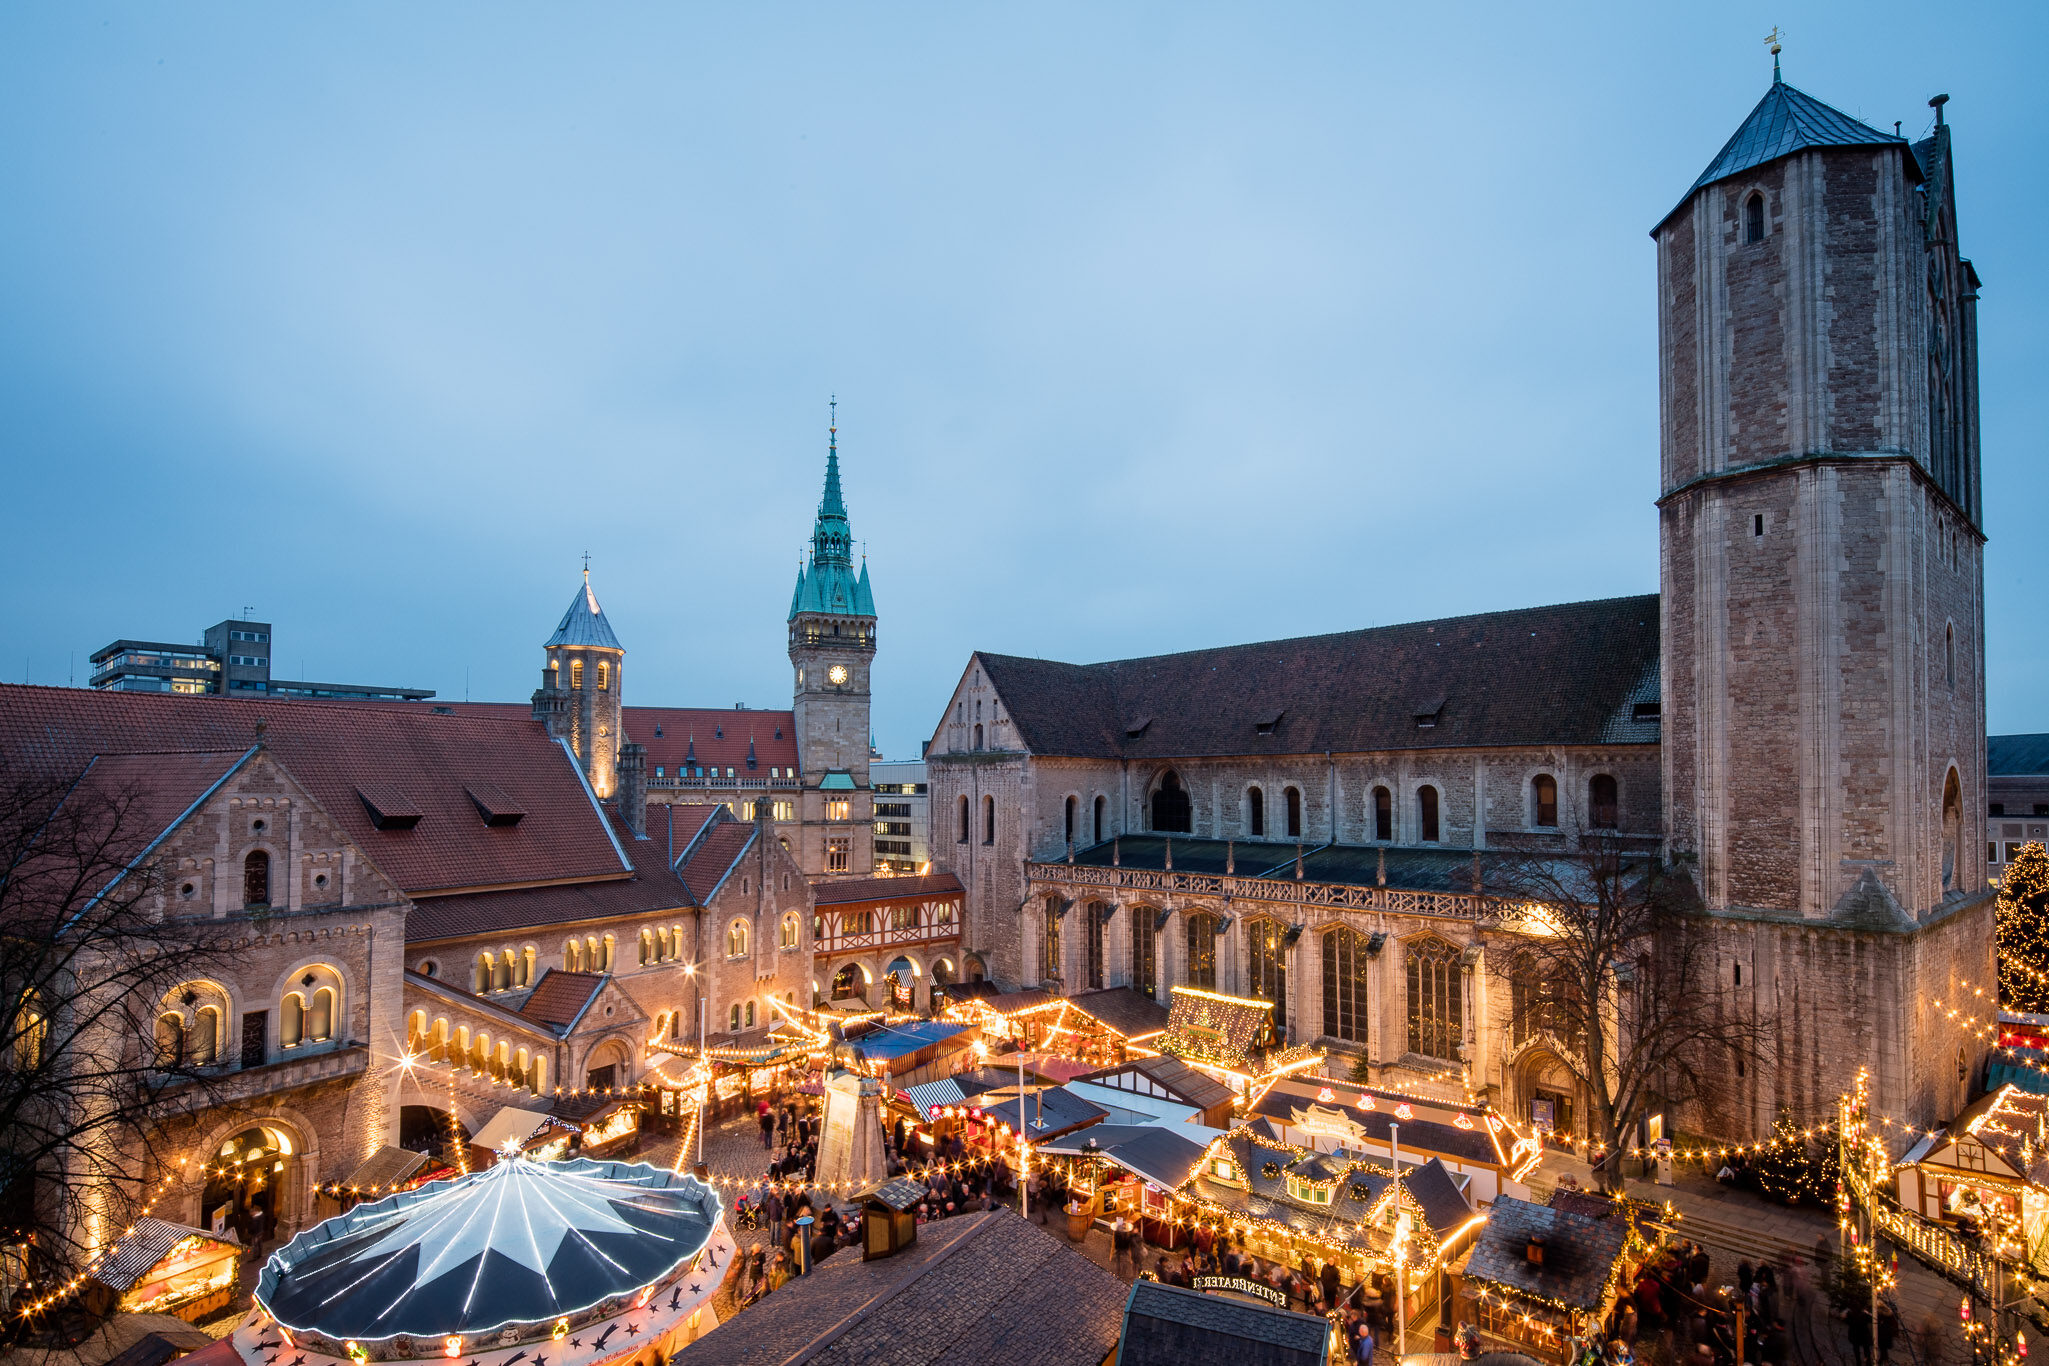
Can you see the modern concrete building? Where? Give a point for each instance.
(233, 657)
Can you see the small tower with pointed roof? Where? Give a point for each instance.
(832, 649)
(1823, 622)
(582, 683)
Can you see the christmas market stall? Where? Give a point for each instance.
(1290, 1205)
(1164, 1089)
(1987, 1172)
(515, 1129)
(1233, 1039)
(911, 1051)
(1132, 1170)
(1470, 1138)
(576, 1263)
(604, 1124)
(1543, 1279)
(384, 1172)
(164, 1268)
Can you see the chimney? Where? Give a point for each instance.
(1533, 1252)
(633, 788)
(551, 704)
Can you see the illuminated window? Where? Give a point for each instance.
(1145, 969)
(604, 676)
(1435, 1006)
(1344, 984)
(1092, 944)
(576, 673)
(789, 931)
(783, 811)
(1266, 962)
(1201, 927)
(1049, 942)
(838, 853)
(1544, 800)
(736, 939)
(733, 1019)
(839, 809)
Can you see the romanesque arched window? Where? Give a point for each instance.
(1255, 811)
(576, 673)
(1426, 813)
(1070, 805)
(1293, 797)
(789, 932)
(170, 1040)
(1171, 810)
(501, 972)
(1344, 984)
(978, 735)
(1949, 655)
(1266, 964)
(1602, 812)
(1101, 806)
(1092, 928)
(1436, 1007)
(988, 820)
(1544, 801)
(1952, 830)
(604, 676)
(736, 939)
(1753, 218)
(1145, 968)
(1383, 815)
(256, 879)
(963, 820)
(482, 981)
(1202, 949)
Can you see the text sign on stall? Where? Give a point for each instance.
(1240, 1286)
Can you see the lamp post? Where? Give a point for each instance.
(1400, 1248)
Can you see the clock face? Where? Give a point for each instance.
(837, 674)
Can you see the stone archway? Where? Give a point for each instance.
(1548, 1096)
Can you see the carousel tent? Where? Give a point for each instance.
(520, 1242)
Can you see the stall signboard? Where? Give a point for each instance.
(1319, 1122)
(1238, 1285)
(728, 1086)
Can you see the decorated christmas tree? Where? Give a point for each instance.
(2023, 920)
(1787, 1170)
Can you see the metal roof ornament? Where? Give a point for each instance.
(1774, 40)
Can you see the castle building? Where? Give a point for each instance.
(1796, 719)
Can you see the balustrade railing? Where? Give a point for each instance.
(1336, 895)
(721, 784)
(887, 938)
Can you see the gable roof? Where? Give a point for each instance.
(1569, 674)
(973, 1289)
(584, 623)
(560, 998)
(335, 752)
(526, 908)
(1127, 1010)
(1176, 1080)
(713, 854)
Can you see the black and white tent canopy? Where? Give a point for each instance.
(521, 1242)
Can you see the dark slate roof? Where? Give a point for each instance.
(1785, 121)
(1165, 1325)
(1579, 1252)
(1130, 1012)
(1569, 674)
(972, 1290)
(1054, 1110)
(1159, 1154)
(584, 623)
(1444, 1206)
(2012, 756)
(899, 1194)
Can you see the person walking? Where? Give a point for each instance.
(1363, 1344)
(1123, 1261)
(765, 1117)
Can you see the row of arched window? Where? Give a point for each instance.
(509, 970)
(191, 1022)
(1433, 996)
(459, 1047)
(661, 944)
(988, 821)
(1172, 811)
(588, 954)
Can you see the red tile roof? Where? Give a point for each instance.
(336, 750)
(559, 997)
(720, 737)
(877, 890)
(676, 824)
(715, 856)
(467, 913)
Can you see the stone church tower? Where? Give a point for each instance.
(1823, 610)
(581, 687)
(832, 648)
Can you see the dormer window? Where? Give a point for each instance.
(1310, 1192)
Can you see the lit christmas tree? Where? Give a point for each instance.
(2023, 920)
(1787, 1171)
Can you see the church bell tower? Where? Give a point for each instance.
(581, 686)
(1822, 600)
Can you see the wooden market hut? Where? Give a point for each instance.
(165, 1268)
(1540, 1276)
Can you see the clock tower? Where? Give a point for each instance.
(832, 647)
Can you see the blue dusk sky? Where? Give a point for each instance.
(1153, 327)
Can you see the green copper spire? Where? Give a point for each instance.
(829, 584)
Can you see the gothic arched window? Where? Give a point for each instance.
(1436, 1008)
(1049, 942)
(1544, 800)
(1602, 813)
(1171, 811)
(1092, 944)
(1383, 815)
(1426, 813)
(978, 735)
(1145, 970)
(1255, 812)
(1344, 984)
(1266, 964)
(963, 820)
(1952, 830)
(1293, 797)
(988, 820)
(1949, 655)
(1202, 949)
(1753, 218)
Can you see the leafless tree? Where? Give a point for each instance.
(91, 1067)
(1613, 969)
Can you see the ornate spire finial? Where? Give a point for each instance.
(586, 566)
(833, 423)
(1775, 40)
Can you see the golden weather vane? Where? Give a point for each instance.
(1774, 40)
